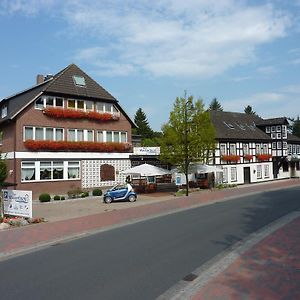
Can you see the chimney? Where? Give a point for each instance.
(39, 79)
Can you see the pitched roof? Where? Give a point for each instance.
(237, 126)
(273, 121)
(293, 138)
(61, 83)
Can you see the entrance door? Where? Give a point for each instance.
(247, 175)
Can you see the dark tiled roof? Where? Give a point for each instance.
(294, 139)
(273, 121)
(237, 126)
(62, 84)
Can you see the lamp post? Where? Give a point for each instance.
(186, 154)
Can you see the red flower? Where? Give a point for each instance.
(234, 158)
(55, 112)
(76, 146)
(263, 157)
(248, 156)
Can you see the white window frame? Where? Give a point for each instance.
(265, 148)
(44, 100)
(223, 147)
(278, 128)
(84, 134)
(259, 172)
(233, 174)
(232, 149)
(44, 133)
(4, 111)
(225, 174)
(266, 171)
(268, 129)
(278, 135)
(245, 148)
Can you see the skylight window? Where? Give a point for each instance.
(79, 80)
(230, 126)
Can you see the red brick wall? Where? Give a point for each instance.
(33, 117)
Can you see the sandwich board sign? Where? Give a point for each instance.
(17, 203)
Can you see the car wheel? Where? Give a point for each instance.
(108, 199)
(132, 198)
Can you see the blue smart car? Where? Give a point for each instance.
(120, 193)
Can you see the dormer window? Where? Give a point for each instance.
(79, 80)
(4, 111)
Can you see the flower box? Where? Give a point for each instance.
(262, 157)
(248, 156)
(76, 146)
(234, 158)
(58, 113)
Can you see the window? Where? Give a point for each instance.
(45, 170)
(100, 107)
(116, 137)
(278, 135)
(274, 145)
(27, 171)
(294, 149)
(273, 135)
(284, 145)
(273, 129)
(89, 105)
(59, 102)
(278, 128)
(90, 136)
(259, 172)
(79, 80)
(80, 104)
(123, 137)
(100, 136)
(298, 149)
(267, 171)
(290, 149)
(4, 111)
(71, 104)
(245, 149)
(45, 101)
(39, 103)
(59, 134)
(73, 170)
(49, 134)
(265, 149)
(80, 135)
(268, 129)
(71, 135)
(28, 133)
(223, 149)
(279, 145)
(232, 149)
(225, 174)
(39, 133)
(50, 170)
(108, 136)
(108, 107)
(49, 101)
(257, 149)
(233, 174)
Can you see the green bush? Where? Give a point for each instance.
(44, 197)
(86, 193)
(56, 197)
(62, 198)
(97, 192)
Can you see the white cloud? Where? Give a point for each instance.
(267, 70)
(283, 102)
(200, 38)
(179, 38)
(26, 7)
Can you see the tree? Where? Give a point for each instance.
(248, 110)
(296, 127)
(215, 105)
(189, 136)
(143, 128)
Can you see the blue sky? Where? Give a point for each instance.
(146, 53)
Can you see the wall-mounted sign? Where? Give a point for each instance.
(146, 150)
(17, 203)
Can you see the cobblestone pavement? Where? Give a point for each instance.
(266, 271)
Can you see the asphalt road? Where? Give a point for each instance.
(142, 260)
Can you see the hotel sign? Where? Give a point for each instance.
(17, 203)
(146, 150)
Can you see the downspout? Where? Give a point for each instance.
(14, 155)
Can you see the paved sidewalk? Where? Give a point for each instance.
(249, 277)
(268, 271)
